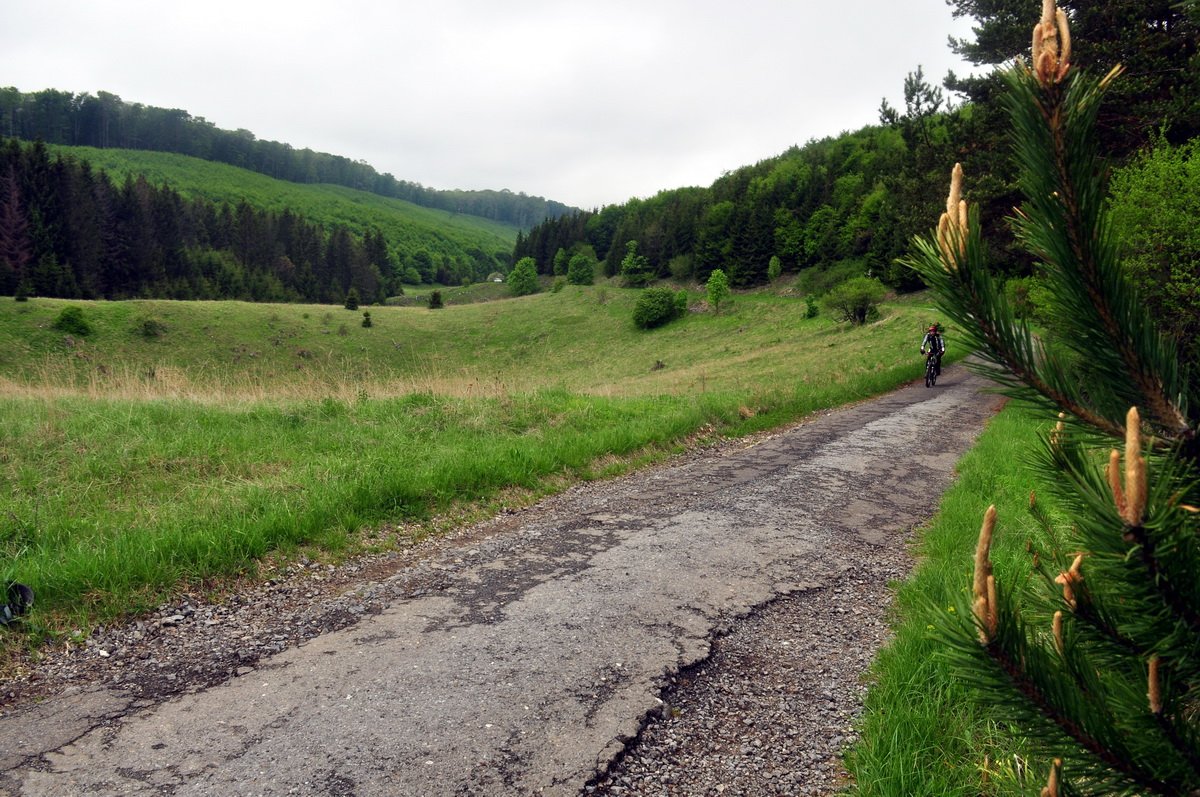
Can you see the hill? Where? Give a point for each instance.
(115, 224)
(106, 121)
(407, 227)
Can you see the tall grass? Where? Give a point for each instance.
(132, 465)
(920, 734)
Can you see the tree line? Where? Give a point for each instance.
(67, 230)
(107, 121)
(850, 205)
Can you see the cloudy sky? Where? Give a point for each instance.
(585, 103)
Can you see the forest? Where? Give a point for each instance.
(849, 205)
(106, 121)
(70, 231)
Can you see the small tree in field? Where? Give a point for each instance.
(856, 300)
(352, 299)
(523, 280)
(717, 289)
(1096, 658)
(581, 270)
(635, 268)
(435, 300)
(774, 268)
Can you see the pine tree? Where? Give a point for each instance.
(1097, 661)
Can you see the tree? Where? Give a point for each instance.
(523, 280)
(717, 289)
(1155, 205)
(560, 262)
(635, 268)
(774, 268)
(1155, 40)
(352, 299)
(1096, 660)
(582, 269)
(16, 249)
(856, 300)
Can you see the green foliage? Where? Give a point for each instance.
(811, 308)
(435, 300)
(366, 322)
(351, 299)
(681, 302)
(635, 268)
(717, 289)
(523, 279)
(856, 300)
(774, 268)
(581, 270)
(22, 292)
(558, 284)
(560, 262)
(71, 321)
(1155, 214)
(655, 307)
(1118, 578)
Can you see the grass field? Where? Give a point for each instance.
(146, 457)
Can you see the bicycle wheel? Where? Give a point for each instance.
(930, 373)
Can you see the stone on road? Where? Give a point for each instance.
(533, 657)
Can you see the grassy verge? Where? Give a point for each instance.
(133, 465)
(920, 734)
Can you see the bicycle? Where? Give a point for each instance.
(931, 369)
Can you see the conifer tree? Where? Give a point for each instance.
(1097, 658)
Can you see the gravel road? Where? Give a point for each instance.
(697, 628)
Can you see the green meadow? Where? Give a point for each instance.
(179, 443)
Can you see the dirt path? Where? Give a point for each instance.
(521, 656)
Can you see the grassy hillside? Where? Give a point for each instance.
(180, 442)
(406, 226)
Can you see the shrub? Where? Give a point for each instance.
(681, 302)
(352, 299)
(581, 270)
(682, 267)
(774, 268)
(150, 327)
(71, 321)
(856, 300)
(435, 300)
(557, 285)
(811, 309)
(655, 307)
(717, 289)
(367, 318)
(522, 280)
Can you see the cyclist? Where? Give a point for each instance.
(934, 343)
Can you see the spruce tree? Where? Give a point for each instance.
(1096, 659)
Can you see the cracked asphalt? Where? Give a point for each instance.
(542, 646)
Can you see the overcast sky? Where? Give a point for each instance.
(584, 103)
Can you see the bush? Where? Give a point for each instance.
(435, 300)
(856, 300)
(523, 280)
(366, 318)
(150, 327)
(681, 302)
(655, 307)
(557, 285)
(635, 268)
(71, 321)
(810, 306)
(352, 299)
(581, 270)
